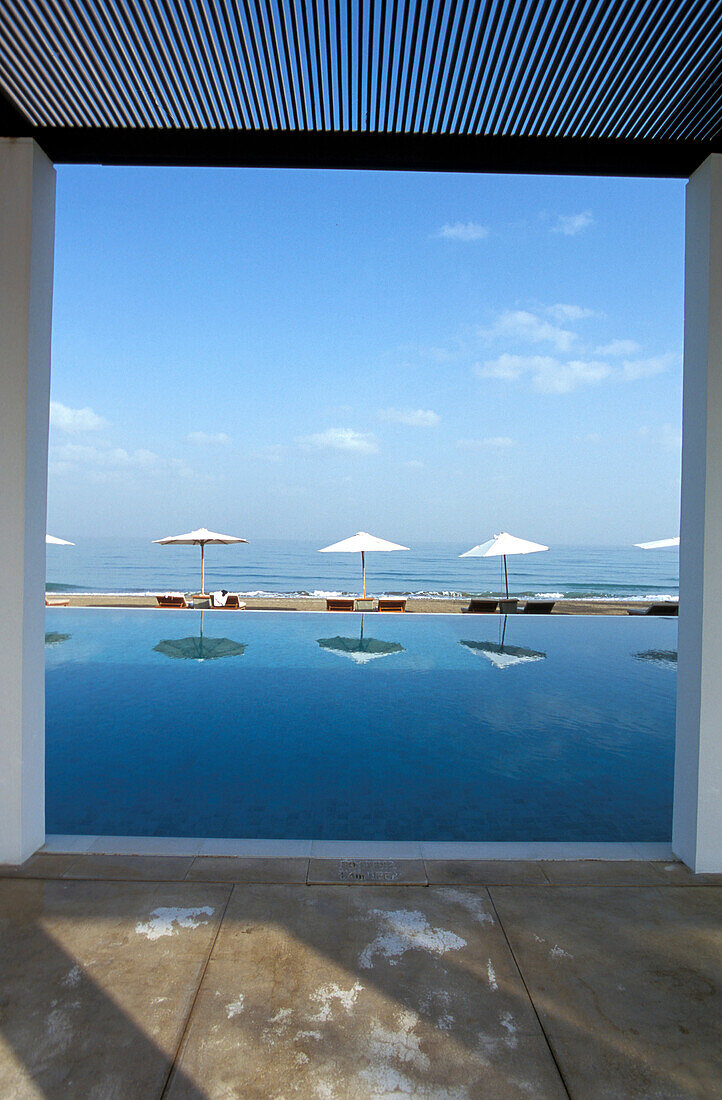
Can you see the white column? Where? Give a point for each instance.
(697, 828)
(27, 221)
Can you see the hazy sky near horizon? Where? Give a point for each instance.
(305, 354)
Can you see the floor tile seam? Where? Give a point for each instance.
(175, 1062)
(66, 872)
(530, 998)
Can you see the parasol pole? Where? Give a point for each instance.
(203, 569)
(506, 578)
(363, 570)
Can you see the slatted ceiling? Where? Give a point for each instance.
(634, 71)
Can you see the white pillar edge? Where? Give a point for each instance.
(27, 227)
(697, 814)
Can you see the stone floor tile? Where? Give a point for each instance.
(365, 872)
(354, 994)
(41, 865)
(68, 842)
(140, 868)
(598, 872)
(235, 869)
(627, 984)
(484, 872)
(96, 984)
(677, 873)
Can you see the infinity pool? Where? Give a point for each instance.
(381, 727)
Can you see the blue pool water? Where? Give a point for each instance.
(429, 727)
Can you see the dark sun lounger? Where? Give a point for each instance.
(481, 607)
(172, 601)
(539, 607)
(655, 609)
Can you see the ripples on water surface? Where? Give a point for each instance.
(389, 727)
(132, 565)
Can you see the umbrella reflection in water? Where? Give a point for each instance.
(52, 637)
(665, 658)
(503, 655)
(361, 650)
(200, 648)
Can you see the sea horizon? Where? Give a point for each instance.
(293, 567)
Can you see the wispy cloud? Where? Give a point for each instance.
(74, 420)
(529, 328)
(117, 458)
(547, 373)
(564, 313)
(204, 438)
(106, 464)
(271, 452)
(570, 360)
(491, 442)
(667, 437)
(618, 347)
(412, 418)
(463, 231)
(341, 439)
(632, 369)
(571, 224)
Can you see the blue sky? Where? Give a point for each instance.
(425, 356)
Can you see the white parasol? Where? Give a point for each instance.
(500, 546)
(658, 544)
(359, 544)
(201, 538)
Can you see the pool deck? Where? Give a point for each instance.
(308, 603)
(212, 978)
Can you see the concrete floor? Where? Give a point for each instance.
(218, 978)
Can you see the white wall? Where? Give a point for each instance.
(697, 831)
(27, 224)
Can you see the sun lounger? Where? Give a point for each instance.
(480, 607)
(337, 604)
(392, 605)
(57, 601)
(172, 600)
(655, 609)
(228, 600)
(539, 607)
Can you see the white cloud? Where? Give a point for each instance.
(563, 312)
(667, 437)
(528, 328)
(341, 439)
(671, 438)
(112, 458)
(272, 452)
(412, 418)
(74, 420)
(208, 437)
(633, 369)
(493, 442)
(547, 374)
(618, 347)
(104, 465)
(571, 224)
(463, 231)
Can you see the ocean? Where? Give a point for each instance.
(279, 567)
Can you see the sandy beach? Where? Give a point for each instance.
(308, 603)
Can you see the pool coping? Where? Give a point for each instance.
(72, 844)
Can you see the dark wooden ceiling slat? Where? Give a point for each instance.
(630, 72)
